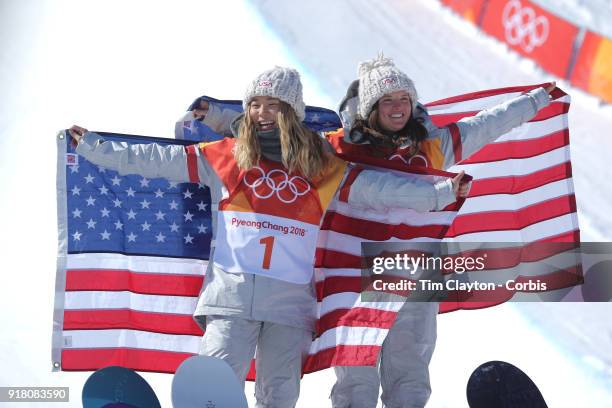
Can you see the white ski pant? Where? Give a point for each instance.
(403, 365)
(281, 351)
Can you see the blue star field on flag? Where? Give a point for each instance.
(133, 215)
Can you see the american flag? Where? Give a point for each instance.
(522, 193)
(133, 252)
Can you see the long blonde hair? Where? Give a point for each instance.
(302, 150)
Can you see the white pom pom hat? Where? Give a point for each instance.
(379, 77)
(279, 82)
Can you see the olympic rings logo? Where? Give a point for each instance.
(522, 27)
(416, 160)
(276, 182)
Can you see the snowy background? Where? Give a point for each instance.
(134, 66)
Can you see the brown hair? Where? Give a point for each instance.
(302, 149)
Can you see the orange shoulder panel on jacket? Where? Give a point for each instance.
(433, 152)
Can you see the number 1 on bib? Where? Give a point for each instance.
(269, 243)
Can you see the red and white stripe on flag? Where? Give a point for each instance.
(522, 192)
(131, 311)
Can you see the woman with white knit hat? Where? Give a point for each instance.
(270, 187)
(382, 117)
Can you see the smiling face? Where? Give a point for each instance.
(263, 111)
(394, 110)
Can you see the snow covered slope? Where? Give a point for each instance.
(444, 56)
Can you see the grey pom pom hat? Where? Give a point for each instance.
(279, 82)
(379, 77)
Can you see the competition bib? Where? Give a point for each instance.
(266, 245)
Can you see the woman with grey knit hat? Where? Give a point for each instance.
(382, 117)
(270, 187)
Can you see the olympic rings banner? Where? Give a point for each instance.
(557, 45)
(533, 32)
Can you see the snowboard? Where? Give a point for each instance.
(206, 382)
(502, 385)
(118, 387)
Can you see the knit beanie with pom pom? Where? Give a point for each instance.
(278, 82)
(379, 77)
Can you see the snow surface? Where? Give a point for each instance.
(132, 67)
(444, 55)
